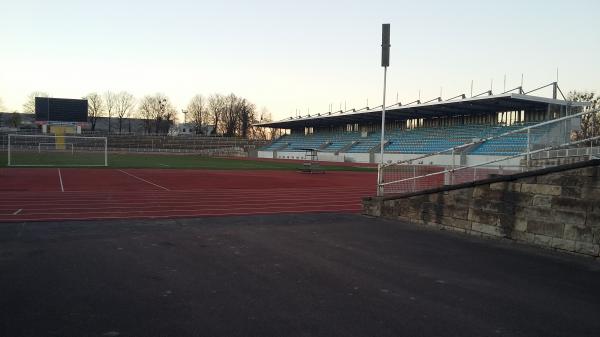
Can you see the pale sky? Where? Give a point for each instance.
(288, 55)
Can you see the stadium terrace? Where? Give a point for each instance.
(424, 127)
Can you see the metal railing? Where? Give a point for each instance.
(518, 150)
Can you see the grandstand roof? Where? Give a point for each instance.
(467, 106)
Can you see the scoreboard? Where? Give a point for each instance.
(61, 110)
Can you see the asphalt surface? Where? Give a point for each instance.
(305, 275)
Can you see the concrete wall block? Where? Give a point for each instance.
(587, 248)
(486, 229)
(596, 234)
(563, 180)
(576, 218)
(542, 200)
(593, 219)
(430, 217)
(507, 223)
(455, 229)
(534, 213)
(463, 193)
(570, 204)
(491, 205)
(388, 209)
(571, 192)
(541, 189)
(372, 207)
(432, 207)
(563, 244)
(514, 187)
(547, 228)
(453, 200)
(507, 197)
(459, 223)
(542, 240)
(483, 217)
(592, 171)
(503, 185)
(591, 193)
(527, 180)
(579, 233)
(522, 236)
(435, 197)
(506, 186)
(480, 191)
(520, 224)
(460, 212)
(520, 199)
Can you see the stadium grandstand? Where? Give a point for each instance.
(421, 128)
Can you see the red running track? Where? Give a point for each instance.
(85, 194)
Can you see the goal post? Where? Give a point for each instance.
(57, 150)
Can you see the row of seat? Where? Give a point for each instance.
(418, 140)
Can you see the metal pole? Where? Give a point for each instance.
(592, 134)
(453, 165)
(8, 150)
(528, 147)
(383, 113)
(105, 151)
(380, 177)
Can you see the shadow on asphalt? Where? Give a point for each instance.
(292, 275)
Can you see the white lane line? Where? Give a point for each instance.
(144, 180)
(17, 211)
(62, 188)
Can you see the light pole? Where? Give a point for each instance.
(385, 62)
(184, 112)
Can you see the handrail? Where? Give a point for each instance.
(483, 140)
(493, 161)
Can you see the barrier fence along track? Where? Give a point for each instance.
(168, 144)
(559, 137)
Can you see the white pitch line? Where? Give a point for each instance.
(17, 211)
(62, 188)
(144, 180)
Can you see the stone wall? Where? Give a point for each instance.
(557, 207)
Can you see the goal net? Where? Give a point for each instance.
(43, 150)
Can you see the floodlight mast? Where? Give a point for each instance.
(385, 62)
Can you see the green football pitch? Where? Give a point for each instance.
(173, 161)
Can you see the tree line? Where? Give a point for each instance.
(216, 114)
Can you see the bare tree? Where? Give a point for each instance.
(29, 105)
(230, 115)
(590, 123)
(156, 110)
(216, 106)
(125, 103)
(110, 104)
(259, 132)
(248, 112)
(198, 110)
(146, 112)
(95, 108)
(161, 110)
